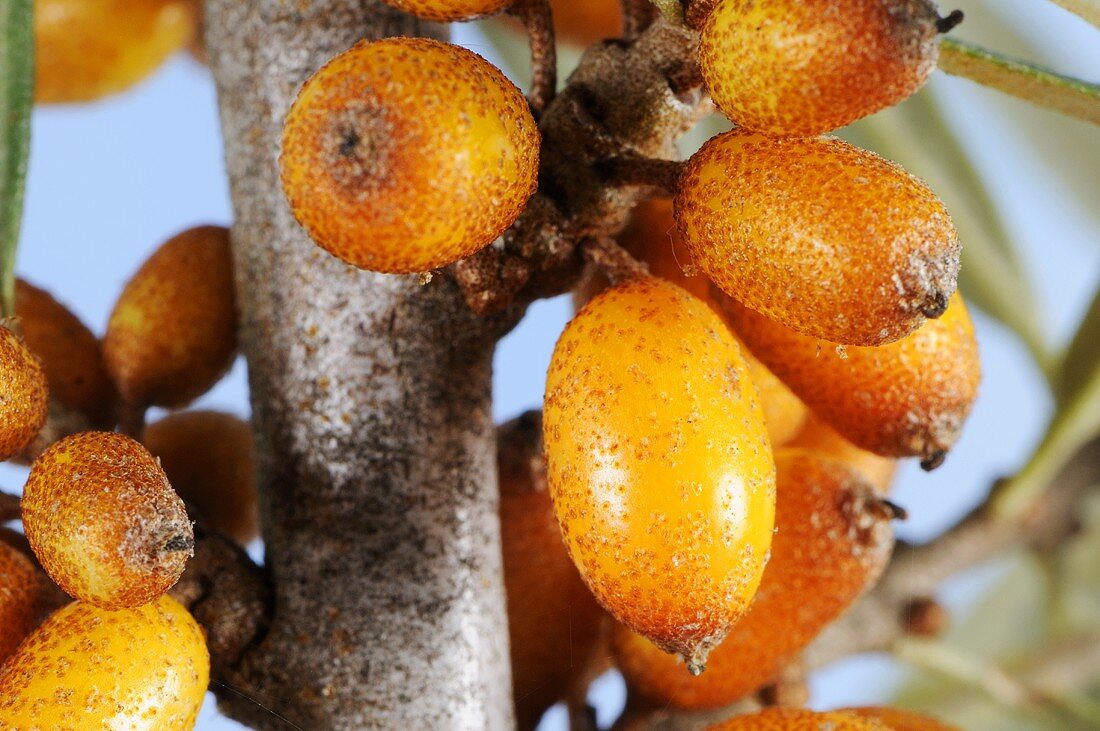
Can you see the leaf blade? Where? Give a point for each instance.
(16, 102)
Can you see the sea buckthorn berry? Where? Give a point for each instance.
(103, 520)
(817, 436)
(173, 332)
(831, 542)
(905, 399)
(583, 22)
(828, 239)
(207, 456)
(88, 668)
(803, 67)
(798, 719)
(87, 49)
(651, 235)
(70, 353)
(900, 720)
(407, 154)
(23, 396)
(19, 598)
(659, 464)
(554, 623)
(449, 10)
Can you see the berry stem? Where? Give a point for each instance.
(613, 260)
(9, 507)
(538, 20)
(623, 171)
(637, 15)
(16, 101)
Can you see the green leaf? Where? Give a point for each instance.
(16, 101)
(1087, 9)
(1040, 86)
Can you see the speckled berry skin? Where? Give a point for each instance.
(804, 67)
(173, 332)
(407, 154)
(19, 598)
(829, 545)
(900, 720)
(906, 399)
(449, 10)
(89, 669)
(659, 463)
(104, 522)
(799, 719)
(23, 395)
(828, 239)
(817, 436)
(87, 49)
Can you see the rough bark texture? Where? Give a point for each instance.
(371, 399)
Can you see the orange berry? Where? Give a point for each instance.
(554, 622)
(19, 598)
(831, 542)
(86, 49)
(803, 67)
(583, 22)
(70, 353)
(449, 10)
(23, 396)
(909, 398)
(659, 464)
(207, 456)
(828, 239)
(103, 520)
(798, 719)
(817, 436)
(651, 236)
(173, 332)
(900, 720)
(89, 668)
(407, 154)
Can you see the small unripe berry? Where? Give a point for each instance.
(173, 332)
(407, 154)
(19, 598)
(831, 543)
(909, 398)
(899, 720)
(817, 436)
(89, 668)
(207, 456)
(659, 464)
(828, 239)
(103, 520)
(23, 396)
(798, 719)
(803, 67)
(86, 49)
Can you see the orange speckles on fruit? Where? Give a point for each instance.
(23, 397)
(143, 669)
(908, 398)
(86, 49)
(173, 331)
(659, 463)
(830, 544)
(828, 239)
(798, 719)
(899, 720)
(803, 67)
(19, 598)
(449, 10)
(103, 520)
(407, 154)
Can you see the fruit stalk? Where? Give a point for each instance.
(374, 435)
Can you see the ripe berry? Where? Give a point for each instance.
(817, 436)
(70, 353)
(900, 720)
(407, 154)
(89, 668)
(798, 719)
(831, 542)
(449, 10)
(659, 464)
(583, 22)
(86, 49)
(828, 239)
(554, 623)
(909, 398)
(23, 397)
(19, 598)
(173, 332)
(207, 456)
(103, 520)
(803, 67)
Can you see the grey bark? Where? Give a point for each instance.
(371, 400)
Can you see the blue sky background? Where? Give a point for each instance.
(110, 181)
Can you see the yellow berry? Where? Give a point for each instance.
(86, 49)
(905, 399)
(173, 331)
(831, 542)
(19, 598)
(207, 456)
(798, 719)
(407, 154)
(659, 464)
(899, 720)
(23, 396)
(103, 520)
(803, 67)
(817, 436)
(828, 239)
(144, 669)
